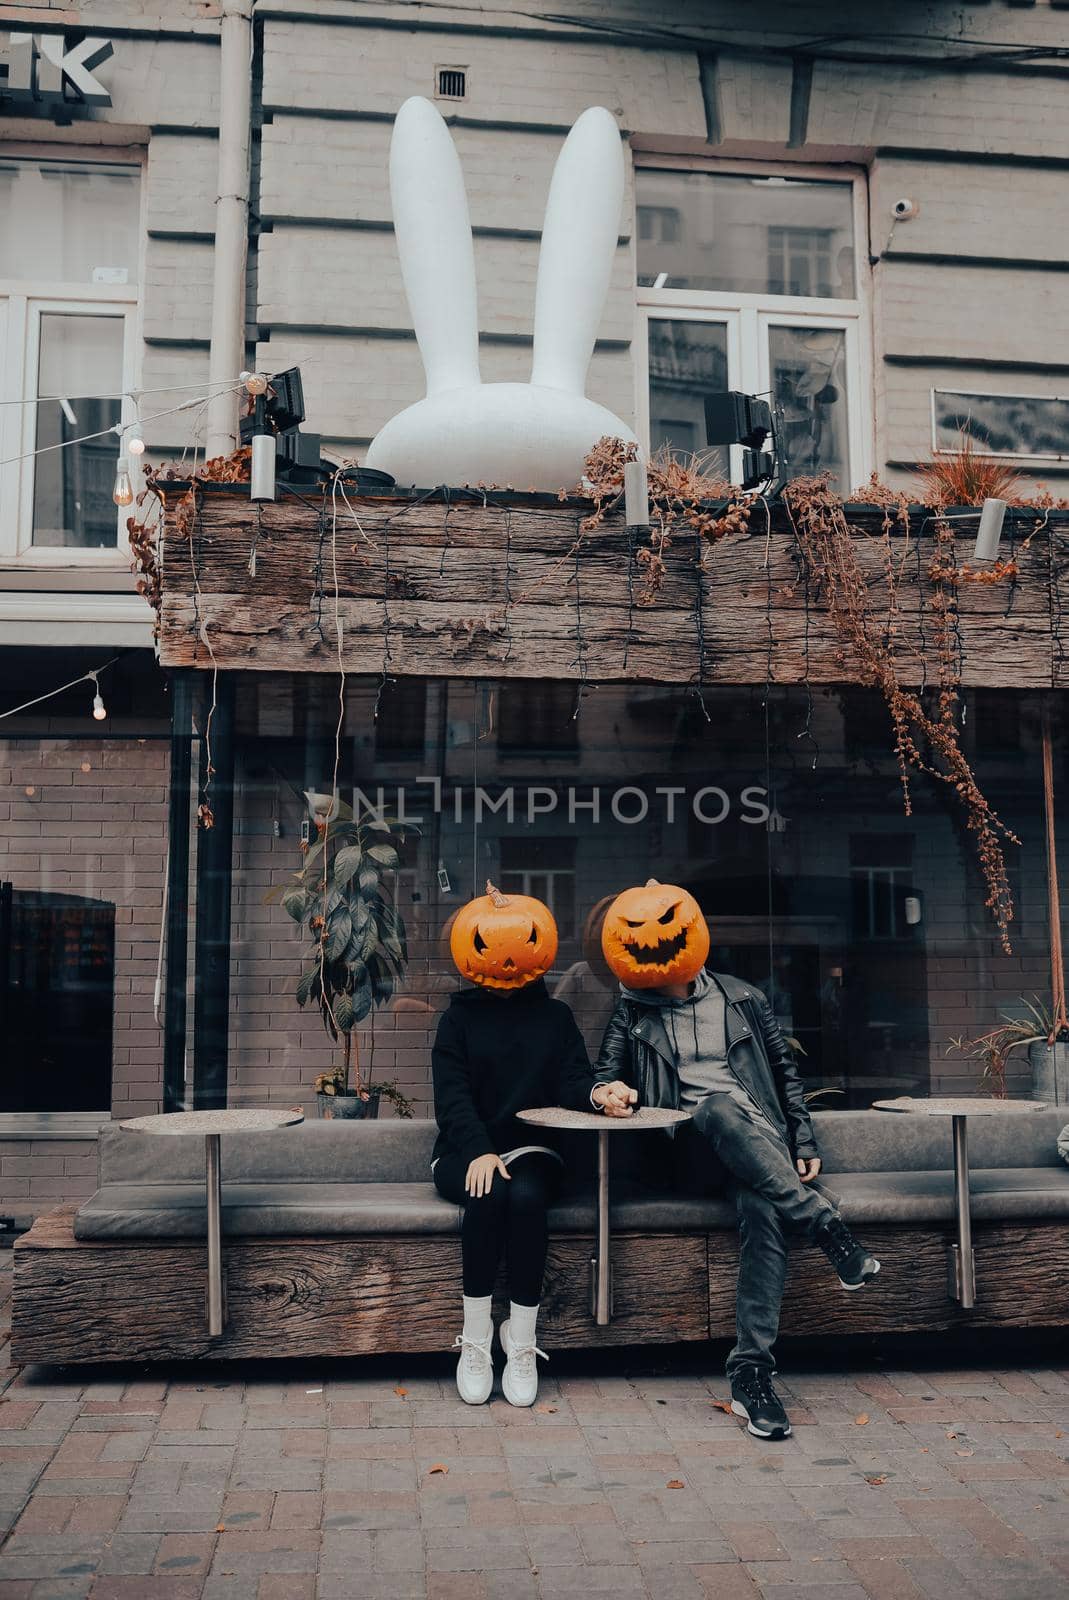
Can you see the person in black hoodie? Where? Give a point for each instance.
(502, 1047)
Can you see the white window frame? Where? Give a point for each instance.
(22, 304)
(748, 317)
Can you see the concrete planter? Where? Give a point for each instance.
(1050, 1072)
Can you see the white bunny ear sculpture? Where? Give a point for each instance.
(527, 435)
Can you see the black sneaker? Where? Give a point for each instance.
(753, 1397)
(851, 1260)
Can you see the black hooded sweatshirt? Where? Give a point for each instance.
(498, 1052)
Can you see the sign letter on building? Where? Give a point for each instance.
(42, 68)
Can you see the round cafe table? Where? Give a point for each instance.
(961, 1264)
(644, 1120)
(210, 1125)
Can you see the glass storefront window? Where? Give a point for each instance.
(866, 928)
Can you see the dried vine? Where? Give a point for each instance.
(681, 495)
(923, 742)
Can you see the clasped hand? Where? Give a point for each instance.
(615, 1099)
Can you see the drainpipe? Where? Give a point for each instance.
(227, 356)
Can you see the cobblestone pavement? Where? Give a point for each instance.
(371, 1481)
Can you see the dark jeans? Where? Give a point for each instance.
(770, 1198)
(509, 1221)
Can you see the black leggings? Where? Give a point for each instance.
(509, 1221)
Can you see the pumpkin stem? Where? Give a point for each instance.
(494, 894)
(653, 883)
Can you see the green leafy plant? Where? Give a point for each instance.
(359, 950)
(995, 1046)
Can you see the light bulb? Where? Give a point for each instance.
(123, 491)
(256, 383)
(100, 710)
(136, 447)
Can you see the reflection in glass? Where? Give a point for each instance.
(69, 222)
(72, 499)
(866, 928)
(1003, 424)
(725, 233)
(808, 367)
(688, 362)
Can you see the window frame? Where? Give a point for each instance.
(978, 448)
(22, 304)
(749, 316)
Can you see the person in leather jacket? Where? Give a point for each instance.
(714, 1047)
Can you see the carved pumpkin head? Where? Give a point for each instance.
(655, 935)
(503, 941)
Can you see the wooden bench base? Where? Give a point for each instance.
(143, 1300)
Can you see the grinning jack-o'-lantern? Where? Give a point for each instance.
(503, 941)
(655, 935)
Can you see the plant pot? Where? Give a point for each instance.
(1050, 1072)
(348, 1107)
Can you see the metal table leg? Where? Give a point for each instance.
(216, 1297)
(600, 1265)
(961, 1267)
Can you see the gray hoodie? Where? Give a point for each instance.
(697, 1027)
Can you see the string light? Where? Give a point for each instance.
(123, 491)
(86, 677)
(135, 447)
(116, 428)
(100, 710)
(255, 383)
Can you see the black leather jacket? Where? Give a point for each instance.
(636, 1049)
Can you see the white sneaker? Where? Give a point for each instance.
(475, 1370)
(520, 1380)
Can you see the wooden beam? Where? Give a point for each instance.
(420, 587)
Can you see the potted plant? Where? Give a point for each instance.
(1046, 1043)
(358, 950)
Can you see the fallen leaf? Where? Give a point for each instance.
(963, 1452)
(220, 1527)
(1058, 1433)
(675, 1483)
(859, 1422)
(721, 1405)
(547, 1411)
(924, 1449)
(402, 1394)
(952, 1436)
(877, 1478)
(439, 1466)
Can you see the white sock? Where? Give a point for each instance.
(522, 1323)
(477, 1323)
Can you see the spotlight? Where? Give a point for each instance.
(736, 418)
(989, 532)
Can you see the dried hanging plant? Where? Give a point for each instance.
(922, 742)
(682, 494)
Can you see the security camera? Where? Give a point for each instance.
(903, 210)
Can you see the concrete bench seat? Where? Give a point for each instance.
(335, 1241)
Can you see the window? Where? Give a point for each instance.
(537, 718)
(400, 726)
(881, 866)
(1001, 424)
(69, 269)
(754, 285)
(544, 868)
